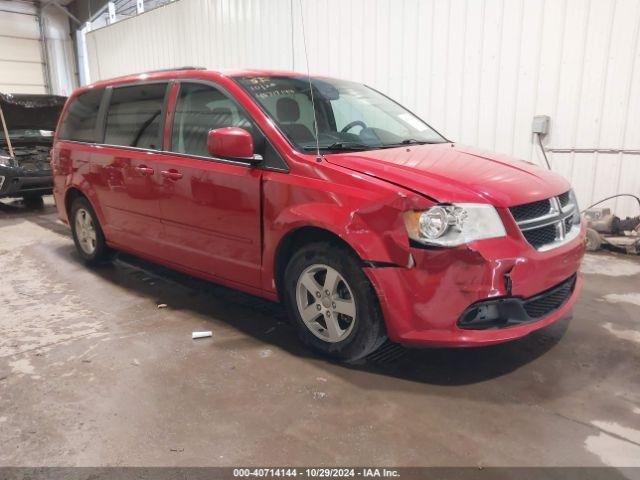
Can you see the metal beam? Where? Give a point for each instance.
(62, 9)
(18, 13)
(44, 51)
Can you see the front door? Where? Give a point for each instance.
(210, 207)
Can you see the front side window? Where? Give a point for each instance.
(134, 118)
(81, 118)
(199, 109)
(350, 116)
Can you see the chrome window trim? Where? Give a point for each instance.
(175, 154)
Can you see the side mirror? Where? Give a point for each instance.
(233, 143)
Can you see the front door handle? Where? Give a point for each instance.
(143, 169)
(171, 174)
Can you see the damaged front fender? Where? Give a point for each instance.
(371, 224)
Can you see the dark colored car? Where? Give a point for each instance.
(29, 122)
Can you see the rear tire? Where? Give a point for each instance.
(87, 233)
(325, 284)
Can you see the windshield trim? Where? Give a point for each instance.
(299, 148)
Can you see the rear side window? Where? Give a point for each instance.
(82, 117)
(134, 118)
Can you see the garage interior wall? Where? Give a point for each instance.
(27, 64)
(476, 70)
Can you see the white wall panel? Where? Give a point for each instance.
(477, 70)
(21, 67)
(222, 34)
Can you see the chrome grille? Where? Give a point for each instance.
(531, 210)
(538, 237)
(564, 199)
(549, 223)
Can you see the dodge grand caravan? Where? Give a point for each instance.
(367, 223)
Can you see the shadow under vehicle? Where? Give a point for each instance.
(26, 137)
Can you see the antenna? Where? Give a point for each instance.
(313, 103)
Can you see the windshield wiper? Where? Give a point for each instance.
(408, 141)
(348, 146)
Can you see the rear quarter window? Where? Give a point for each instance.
(81, 118)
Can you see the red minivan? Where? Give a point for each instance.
(325, 194)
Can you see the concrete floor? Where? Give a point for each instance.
(92, 372)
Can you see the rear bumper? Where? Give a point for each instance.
(425, 304)
(17, 183)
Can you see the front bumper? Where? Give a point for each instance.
(424, 304)
(15, 182)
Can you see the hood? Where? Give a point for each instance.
(31, 112)
(455, 173)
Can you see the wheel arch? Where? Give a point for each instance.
(74, 192)
(70, 195)
(298, 238)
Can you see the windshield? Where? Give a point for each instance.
(350, 116)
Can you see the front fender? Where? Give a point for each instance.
(374, 229)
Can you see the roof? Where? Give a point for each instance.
(167, 74)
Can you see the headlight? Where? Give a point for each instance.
(4, 160)
(454, 224)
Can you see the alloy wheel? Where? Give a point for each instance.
(85, 231)
(326, 303)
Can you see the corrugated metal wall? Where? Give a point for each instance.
(477, 70)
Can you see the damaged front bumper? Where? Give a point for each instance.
(484, 293)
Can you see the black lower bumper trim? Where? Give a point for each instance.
(507, 312)
(18, 186)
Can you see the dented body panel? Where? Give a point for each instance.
(359, 197)
(426, 301)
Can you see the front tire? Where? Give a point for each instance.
(332, 303)
(33, 201)
(87, 234)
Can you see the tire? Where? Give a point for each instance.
(33, 201)
(593, 240)
(87, 233)
(347, 324)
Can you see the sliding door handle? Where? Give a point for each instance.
(143, 169)
(171, 174)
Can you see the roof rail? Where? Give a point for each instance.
(176, 69)
(188, 67)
